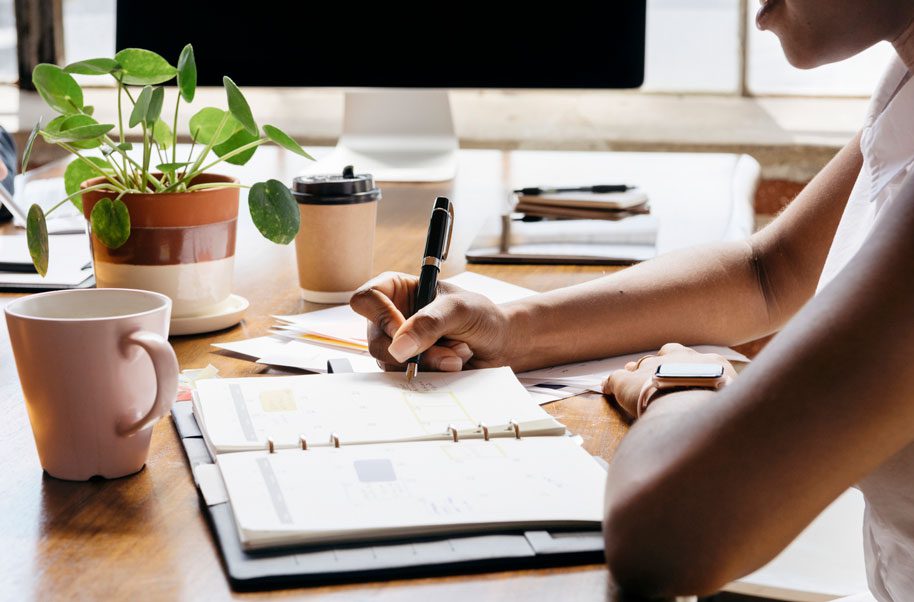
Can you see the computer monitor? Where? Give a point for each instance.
(396, 61)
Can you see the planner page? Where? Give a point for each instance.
(382, 491)
(244, 413)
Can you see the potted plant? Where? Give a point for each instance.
(157, 220)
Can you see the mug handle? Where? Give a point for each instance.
(165, 364)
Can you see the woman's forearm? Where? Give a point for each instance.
(709, 294)
(724, 293)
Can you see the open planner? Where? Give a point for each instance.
(464, 465)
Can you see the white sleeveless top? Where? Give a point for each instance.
(887, 145)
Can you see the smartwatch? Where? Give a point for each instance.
(679, 377)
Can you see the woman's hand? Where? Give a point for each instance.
(457, 330)
(625, 385)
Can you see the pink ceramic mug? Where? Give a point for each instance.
(97, 372)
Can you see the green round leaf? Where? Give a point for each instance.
(239, 107)
(205, 122)
(101, 66)
(171, 167)
(82, 133)
(64, 125)
(238, 139)
(161, 133)
(78, 171)
(284, 140)
(68, 122)
(143, 67)
(53, 126)
(155, 106)
(88, 109)
(187, 73)
(110, 222)
(27, 152)
(36, 237)
(57, 88)
(274, 211)
(140, 107)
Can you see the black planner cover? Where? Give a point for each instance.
(289, 567)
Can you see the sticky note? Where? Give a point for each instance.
(277, 400)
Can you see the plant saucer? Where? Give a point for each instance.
(227, 314)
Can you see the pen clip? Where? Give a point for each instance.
(450, 231)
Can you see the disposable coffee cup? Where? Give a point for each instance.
(335, 243)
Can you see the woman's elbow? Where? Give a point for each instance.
(645, 558)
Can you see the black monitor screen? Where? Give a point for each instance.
(467, 44)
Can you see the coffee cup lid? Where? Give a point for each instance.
(335, 189)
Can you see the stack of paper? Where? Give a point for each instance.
(307, 341)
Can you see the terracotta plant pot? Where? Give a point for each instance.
(181, 244)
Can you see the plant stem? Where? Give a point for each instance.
(146, 154)
(174, 130)
(229, 155)
(120, 122)
(190, 155)
(120, 113)
(94, 167)
(77, 193)
(158, 185)
(211, 143)
(120, 172)
(159, 153)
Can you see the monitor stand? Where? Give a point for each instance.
(396, 136)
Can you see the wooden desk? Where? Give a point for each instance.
(144, 536)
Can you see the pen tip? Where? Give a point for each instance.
(411, 370)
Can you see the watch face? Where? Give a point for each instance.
(690, 370)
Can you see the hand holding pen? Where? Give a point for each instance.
(437, 244)
(452, 328)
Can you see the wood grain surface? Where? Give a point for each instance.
(144, 536)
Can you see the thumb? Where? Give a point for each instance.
(433, 322)
(378, 308)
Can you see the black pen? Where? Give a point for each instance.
(599, 189)
(437, 244)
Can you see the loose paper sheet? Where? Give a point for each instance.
(341, 323)
(280, 351)
(590, 375)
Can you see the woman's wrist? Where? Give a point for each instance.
(521, 334)
(677, 400)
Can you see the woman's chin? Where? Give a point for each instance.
(801, 60)
(807, 56)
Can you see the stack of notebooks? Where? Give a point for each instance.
(339, 477)
(70, 264)
(570, 228)
(584, 205)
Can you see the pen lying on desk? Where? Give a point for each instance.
(437, 244)
(597, 189)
